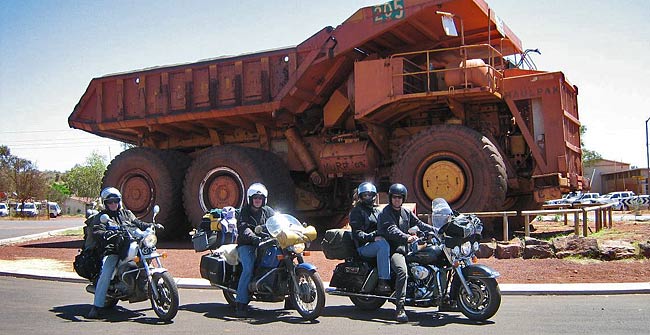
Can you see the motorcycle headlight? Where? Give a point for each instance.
(456, 251)
(297, 248)
(150, 241)
(466, 249)
(475, 246)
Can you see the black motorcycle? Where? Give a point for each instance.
(280, 270)
(140, 275)
(442, 271)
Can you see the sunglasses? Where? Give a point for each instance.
(258, 197)
(366, 195)
(112, 201)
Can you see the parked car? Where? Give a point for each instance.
(29, 210)
(54, 209)
(4, 209)
(616, 198)
(587, 198)
(566, 199)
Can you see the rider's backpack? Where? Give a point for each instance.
(87, 263)
(338, 244)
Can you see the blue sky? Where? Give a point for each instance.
(50, 50)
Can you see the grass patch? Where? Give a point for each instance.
(582, 260)
(72, 232)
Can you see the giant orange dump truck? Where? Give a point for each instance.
(434, 94)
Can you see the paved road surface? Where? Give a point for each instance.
(46, 307)
(15, 228)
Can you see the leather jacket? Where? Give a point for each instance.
(363, 220)
(247, 221)
(394, 226)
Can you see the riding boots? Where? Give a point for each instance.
(400, 314)
(241, 310)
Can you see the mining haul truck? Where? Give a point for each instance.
(435, 94)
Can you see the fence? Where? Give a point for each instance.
(602, 213)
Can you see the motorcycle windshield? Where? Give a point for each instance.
(279, 222)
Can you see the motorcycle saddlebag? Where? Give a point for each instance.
(215, 269)
(338, 244)
(351, 276)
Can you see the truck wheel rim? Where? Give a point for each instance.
(137, 192)
(444, 179)
(221, 187)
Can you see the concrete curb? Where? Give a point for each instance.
(506, 289)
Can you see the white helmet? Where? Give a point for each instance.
(257, 189)
(110, 193)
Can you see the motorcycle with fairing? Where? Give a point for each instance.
(139, 274)
(442, 270)
(280, 270)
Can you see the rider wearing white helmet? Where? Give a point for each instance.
(253, 213)
(110, 239)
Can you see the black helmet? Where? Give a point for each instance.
(367, 188)
(397, 189)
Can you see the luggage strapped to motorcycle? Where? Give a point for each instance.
(216, 229)
(338, 244)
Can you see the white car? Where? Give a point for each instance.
(616, 198)
(587, 198)
(29, 210)
(54, 209)
(566, 199)
(4, 209)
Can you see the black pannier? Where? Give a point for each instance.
(462, 226)
(215, 269)
(338, 244)
(87, 264)
(352, 276)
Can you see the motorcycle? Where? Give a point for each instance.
(442, 271)
(139, 274)
(280, 269)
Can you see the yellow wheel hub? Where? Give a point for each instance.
(443, 179)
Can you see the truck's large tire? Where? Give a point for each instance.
(455, 163)
(219, 177)
(147, 177)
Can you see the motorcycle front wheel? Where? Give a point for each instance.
(309, 295)
(367, 304)
(166, 306)
(485, 299)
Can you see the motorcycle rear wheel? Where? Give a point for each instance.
(368, 304)
(485, 300)
(230, 297)
(166, 306)
(309, 300)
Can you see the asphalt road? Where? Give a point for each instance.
(45, 307)
(15, 228)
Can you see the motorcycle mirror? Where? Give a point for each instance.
(259, 229)
(104, 218)
(156, 210)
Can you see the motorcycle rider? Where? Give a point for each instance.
(254, 213)
(110, 238)
(363, 220)
(394, 223)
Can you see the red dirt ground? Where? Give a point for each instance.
(183, 261)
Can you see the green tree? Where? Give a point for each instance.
(589, 157)
(86, 180)
(21, 176)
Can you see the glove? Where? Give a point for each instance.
(113, 240)
(159, 226)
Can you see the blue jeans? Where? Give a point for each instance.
(108, 266)
(381, 250)
(247, 260)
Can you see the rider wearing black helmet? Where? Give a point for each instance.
(363, 220)
(394, 223)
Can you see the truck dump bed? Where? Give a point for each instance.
(194, 104)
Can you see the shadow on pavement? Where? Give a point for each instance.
(77, 313)
(256, 316)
